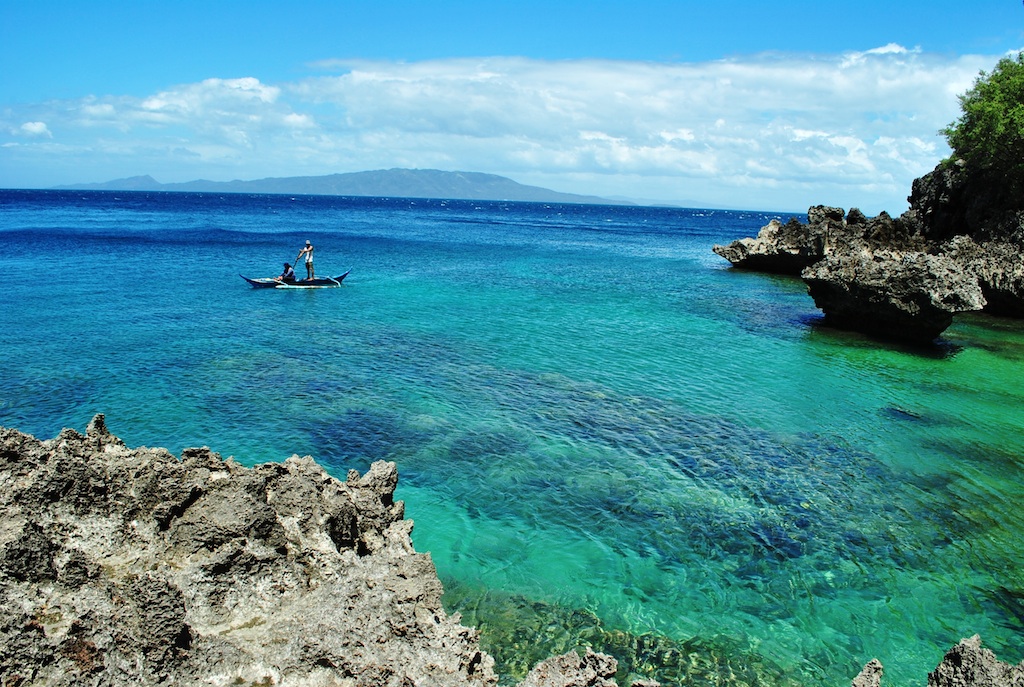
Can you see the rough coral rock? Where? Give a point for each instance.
(794, 246)
(134, 567)
(573, 670)
(969, 665)
(971, 219)
(780, 248)
(883, 276)
(870, 676)
(965, 665)
(911, 296)
(999, 269)
(953, 201)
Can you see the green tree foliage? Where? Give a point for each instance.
(989, 135)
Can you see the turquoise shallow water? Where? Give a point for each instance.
(604, 435)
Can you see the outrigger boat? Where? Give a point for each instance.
(272, 283)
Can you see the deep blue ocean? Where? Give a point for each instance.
(605, 435)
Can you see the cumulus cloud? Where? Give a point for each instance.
(855, 128)
(34, 129)
(855, 120)
(232, 105)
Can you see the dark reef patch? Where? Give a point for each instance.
(358, 437)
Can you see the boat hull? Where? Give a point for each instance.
(319, 283)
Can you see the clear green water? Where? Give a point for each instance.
(604, 435)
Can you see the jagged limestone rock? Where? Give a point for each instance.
(969, 665)
(999, 268)
(971, 219)
(573, 670)
(870, 676)
(794, 246)
(910, 296)
(965, 665)
(132, 567)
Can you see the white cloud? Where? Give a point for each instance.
(850, 129)
(34, 129)
(212, 97)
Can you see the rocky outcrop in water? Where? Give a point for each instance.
(969, 665)
(999, 268)
(573, 670)
(787, 248)
(794, 246)
(870, 675)
(957, 249)
(910, 296)
(132, 567)
(965, 665)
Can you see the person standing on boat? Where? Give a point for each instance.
(307, 250)
(288, 275)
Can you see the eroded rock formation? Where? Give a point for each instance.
(787, 248)
(949, 201)
(132, 567)
(904, 295)
(967, 664)
(907, 277)
(792, 247)
(573, 670)
(999, 268)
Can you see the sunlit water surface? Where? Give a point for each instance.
(606, 436)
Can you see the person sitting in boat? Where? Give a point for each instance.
(288, 275)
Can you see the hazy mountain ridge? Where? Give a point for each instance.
(393, 183)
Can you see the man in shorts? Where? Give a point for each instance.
(307, 250)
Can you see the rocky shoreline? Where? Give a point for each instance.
(128, 566)
(132, 567)
(953, 251)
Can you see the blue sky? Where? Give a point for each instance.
(714, 104)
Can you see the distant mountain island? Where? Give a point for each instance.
(388, 183)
